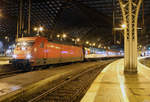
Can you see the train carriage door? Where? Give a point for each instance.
(42, 51)
(45, 51)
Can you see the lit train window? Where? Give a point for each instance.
(25, 43)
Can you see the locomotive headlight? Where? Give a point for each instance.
(23, 48)
(14, 56)
(28, 56)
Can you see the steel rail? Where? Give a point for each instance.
(63, 83)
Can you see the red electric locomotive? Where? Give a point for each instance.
(36, 51)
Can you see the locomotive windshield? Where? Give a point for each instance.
(25, 43)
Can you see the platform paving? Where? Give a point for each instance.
(4, 60)
(112, 85)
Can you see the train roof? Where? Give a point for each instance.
(27, 39)
(51, 41)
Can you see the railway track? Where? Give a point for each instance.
(17, 71)
(72, 89)
(10, 73)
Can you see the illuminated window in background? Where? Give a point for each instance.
(27, 43)
(1, 44)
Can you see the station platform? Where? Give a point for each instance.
(4, 60)
(112, 85)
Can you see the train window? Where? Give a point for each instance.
(42, 45)
(25, 43)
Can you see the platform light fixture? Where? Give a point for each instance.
(35, 29)
(140, 46)
(78, 39)
(87, 42)
(58, 36)
(7, 38)
(64, 35)
(41, 28)
(93, 44)
(123, 26)
(38, 29)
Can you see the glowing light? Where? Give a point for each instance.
(28, 56)
(41, 28)
(93, 44)
(73, 39)
(99, 46)
(140, 46)
(87, 42)
(64, 36)
(118, 42)
(38, 29)
(24, 43)
(14, 45)
(15, 88)
(8, 51)
(14, 56)
(6, 37)
(77, 39)
(63, 52)
(35, 29)
(58, 36)
(23, 48)
(123, 26)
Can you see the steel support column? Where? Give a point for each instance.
(29, 17)
(113, 13)
(130, 11)
(20, 17)
(17, 29)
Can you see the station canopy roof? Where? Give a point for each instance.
(89, 20)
